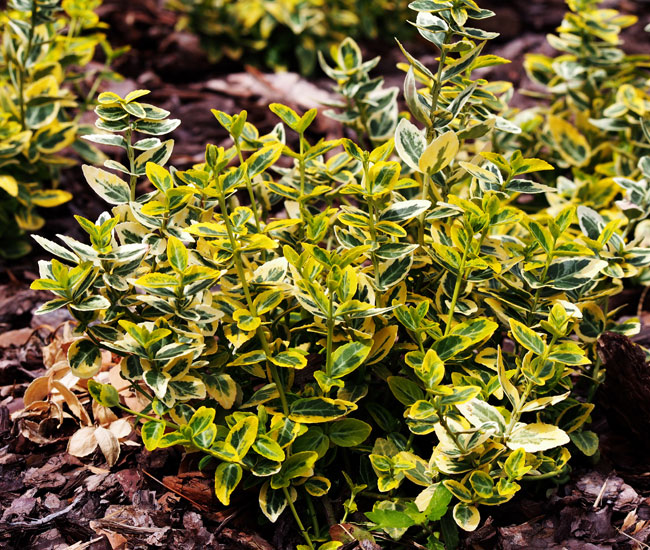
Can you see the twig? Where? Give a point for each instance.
(43, 521)
(640, 543)
(199, 506)
(600, 494)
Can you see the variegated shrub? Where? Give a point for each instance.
(285, 34)
(275, 306)
(44, 45)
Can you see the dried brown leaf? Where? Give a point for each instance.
(73, 403)
(38, 390)
(83, 442)
(108, 444)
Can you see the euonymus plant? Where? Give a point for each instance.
(45, 44)
(413, 313)
(285, 34)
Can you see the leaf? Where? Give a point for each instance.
(439, 153)
(348, 358)
(222, 388)
(313, 410)
(515, 465)
(201, 420)
(297, 465)
(151, 433)
(242, 435)
(82, 442)
(570, 144)
(268, 448)
(84, 358)
(105, 394)
(226, 479)
(263, 159)
(404, 210)
(390, 519)
(159, 177)
(409, 143)
(586, 441)
(479, 413)
(291, 359)
(177, 254)
(108, 186)
(404, 390)
(349, 432)
(537, 437)
(286, 114)
(527, 337)
(318, 486)
(272, 502)
(467, 517)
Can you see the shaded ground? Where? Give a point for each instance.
(52, 500)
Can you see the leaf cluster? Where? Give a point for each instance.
(44, 47)
(286, 34)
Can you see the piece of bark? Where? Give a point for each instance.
(625, 395)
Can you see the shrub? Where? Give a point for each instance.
(285, 34)
(277, 338)
(368, 108)
(595, 126)
(44, 44)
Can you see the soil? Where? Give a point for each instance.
(50, 499)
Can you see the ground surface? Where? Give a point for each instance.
(52, 500)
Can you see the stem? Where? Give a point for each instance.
(141, 415)
(249, 186)
(435, 93)
(275, 376)
(312, 514)
(131, 156)
(303, 531)
(451, 433)
(330, 337)
(423, 217)
(301, 167)
(516, 414)
(371, 222)
(364, 123)
(23, 69)
(459, 282)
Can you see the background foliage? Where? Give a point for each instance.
(282, 34)
(45, 46)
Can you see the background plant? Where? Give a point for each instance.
(275, 305)
(45, 43)
(368, 108)
(286, 33)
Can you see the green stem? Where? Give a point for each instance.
(312, 513)
(435, 95)
(371, 223)
(249, 186)
(330, 336)
(23, 68)
(547, 475)
(303, 531)
(141, 415)
(423, 218)
(275, 376)
(130, 153)
(364, 123)
(450, 432)
(301, 168)
(459, 281)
